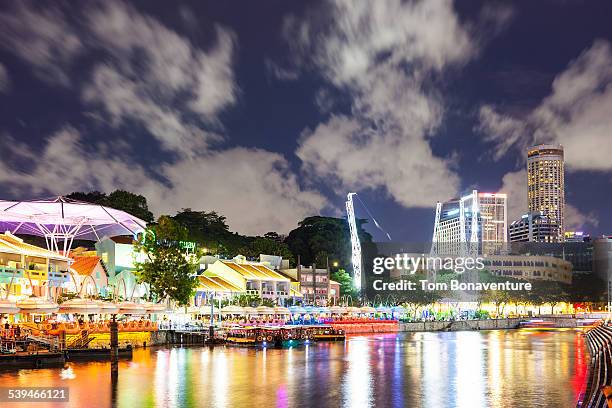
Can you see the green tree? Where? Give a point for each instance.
(329, 235)
(418, 298)
(274, 236)
(586, 288)
(246, 300)
(131, 203)
(346, 283)
(263, 245)
(210, 231)
(500, 298)
(267, 302)
(168, 271)
(548, 292)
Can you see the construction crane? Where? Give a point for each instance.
(355, 244)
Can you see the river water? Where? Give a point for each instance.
(513, 368)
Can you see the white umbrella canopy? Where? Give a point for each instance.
(250, 310)
(281, 311)
(368, 309)
(131, 308)
(353, 309)
(108, 307)
(64, 219)
(80, 306)
(151, 307)
(8, 307)
(205, 310)
(37, 305)
(265, 310)
(232, 309)
(337, 309)
(297, 310)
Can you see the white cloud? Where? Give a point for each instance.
(41, 37)
(364, 32)
(382, 54)
(155, 76)
(576, 114)
(280, 73)
(348, 152)
(65, 165)
(515, 185)
(173, 64)
(126, 98)
(253, 188)
(175, 92)
(502, 130)
(160, 80)
(4, 79)
(575, 220)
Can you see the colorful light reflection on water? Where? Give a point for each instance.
(463, 369)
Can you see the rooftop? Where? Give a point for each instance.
(13, 244)
(84, 265)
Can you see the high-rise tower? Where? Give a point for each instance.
(546, 185)
(470, 225)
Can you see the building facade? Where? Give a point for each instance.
(546, 185)
(315, 284)
(533, 227)
(577, 236)
(90, 275)
(602, 263)
(28, 270)
(530, 267)
(254, 278)
(118, 256)
(473, 224)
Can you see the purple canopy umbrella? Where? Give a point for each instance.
(60, 220)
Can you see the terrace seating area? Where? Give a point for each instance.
(599, 342)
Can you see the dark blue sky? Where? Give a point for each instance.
(271, 111)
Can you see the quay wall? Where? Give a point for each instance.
(172, 337)
(488, 324)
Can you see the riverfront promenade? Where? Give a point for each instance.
(558, 321)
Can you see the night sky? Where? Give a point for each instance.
(270, 111)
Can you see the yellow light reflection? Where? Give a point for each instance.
(357, 385)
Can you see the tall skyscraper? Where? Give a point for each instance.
(546, 185)
(473, 224)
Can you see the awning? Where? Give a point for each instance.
(214, 283)
(256, 272)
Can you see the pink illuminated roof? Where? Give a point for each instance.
(63, 218)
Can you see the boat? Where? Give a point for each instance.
(536, 324)
(294, 336)
(327, 333)
(268, 336)
(244, 336)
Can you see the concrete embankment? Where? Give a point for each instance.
(460, 325)
(488, 324)
(172, 337)
(22, 360)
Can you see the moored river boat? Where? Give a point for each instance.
(327, 333)
(269, 336)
